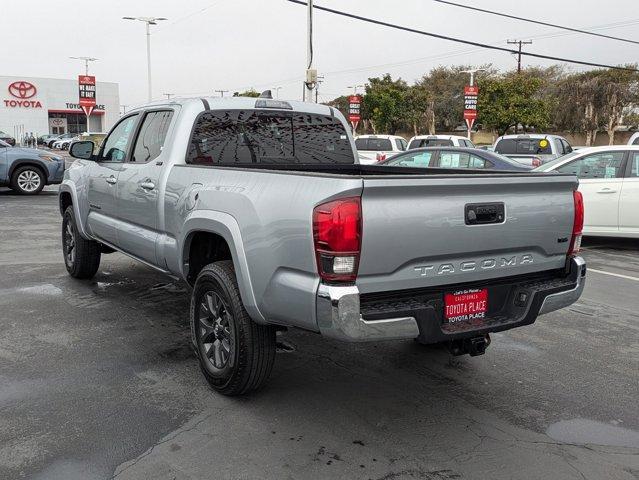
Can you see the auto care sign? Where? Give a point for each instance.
(354, 112)
(470, 104)
(86, 89)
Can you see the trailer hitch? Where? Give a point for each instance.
(473, 346)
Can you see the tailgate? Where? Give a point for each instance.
(415, 231)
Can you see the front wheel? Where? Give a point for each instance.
(81, 256)
(236, 355)
(27, 180)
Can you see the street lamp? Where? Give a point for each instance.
(277, 92)
(86, 61)
(148, 21)
(355, 87)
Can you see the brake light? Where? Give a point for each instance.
(578, 223)
(381, 157)
(536, 162)
(337, 234)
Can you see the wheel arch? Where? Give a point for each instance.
(67, 196)
(28, 162)
(211, 236)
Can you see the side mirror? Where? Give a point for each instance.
(82, 150)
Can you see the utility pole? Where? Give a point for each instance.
(148, 21)
(311, 73)
(221, 92)
(86, 61)
(519, 43)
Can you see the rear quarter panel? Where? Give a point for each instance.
(266, 217)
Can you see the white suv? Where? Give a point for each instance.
(376, 148)
(420, 141)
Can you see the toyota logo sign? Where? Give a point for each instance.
(22, 89)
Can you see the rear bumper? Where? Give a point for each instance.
(344, 314)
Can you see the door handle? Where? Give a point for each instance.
(111, 180)
(606, 190)
(148, 185)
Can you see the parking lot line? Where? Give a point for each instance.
(628, 277)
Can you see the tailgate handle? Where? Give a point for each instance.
(484, 213)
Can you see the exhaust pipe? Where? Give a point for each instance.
(472, 346)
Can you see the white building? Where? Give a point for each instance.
(51, 105)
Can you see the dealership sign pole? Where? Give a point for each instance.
(354, 115)
(86, 89)
(470, 106)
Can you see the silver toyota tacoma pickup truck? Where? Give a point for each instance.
(261, 207)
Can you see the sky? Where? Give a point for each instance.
(208, 45)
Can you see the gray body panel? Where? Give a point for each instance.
(265, 216)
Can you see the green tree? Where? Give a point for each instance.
(511, 100)
(385, 103)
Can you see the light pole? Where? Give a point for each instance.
(86, 61)
(148, 22)
(355, 87)
(168, 95)
(221, 92)
(277, 92)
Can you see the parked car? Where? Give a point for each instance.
(454, 157)
(5, 137)
(420, 141)
(534, 149)
(634, 139)
(51, 142)
(28, 170)
(42, 139)
(609, 181)
(376, 148)
(260, 205)
(64, 144)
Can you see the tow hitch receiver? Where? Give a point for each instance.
(472, 346)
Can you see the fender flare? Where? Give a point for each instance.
(226, 226)
(21, 162)
(68, 187)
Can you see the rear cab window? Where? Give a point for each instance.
(430, 142)
(524, 146)
(373, 144)
(244, 137)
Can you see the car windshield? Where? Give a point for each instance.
(550, 165)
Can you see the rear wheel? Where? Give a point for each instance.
(27, 180)
(236, 355)
(81, 256)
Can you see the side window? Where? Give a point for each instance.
(150, 140)
(634, 172)
(455, 160)
(400, 146)
(417, 159)
(636, 141)
(567, 147)
(118, 142)
(559, 146)
(476, 162)
(597, 165)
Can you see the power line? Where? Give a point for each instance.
(459, 40)
(538, 22)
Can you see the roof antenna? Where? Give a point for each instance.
(266, 94)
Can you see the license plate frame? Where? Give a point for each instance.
(467, 305)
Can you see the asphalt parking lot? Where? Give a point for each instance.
(97, 381)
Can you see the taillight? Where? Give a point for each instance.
(536, 162)
(578, 223)
(337, 233)
(381, 157)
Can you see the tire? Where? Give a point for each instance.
(240, 355)
(81, 256)
(27, 180)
